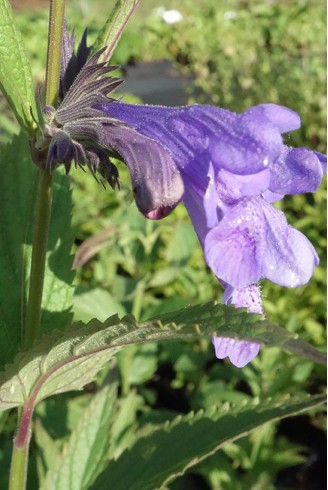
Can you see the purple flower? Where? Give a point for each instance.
(233, 166)
(226, 167)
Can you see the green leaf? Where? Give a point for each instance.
(96, 303)
(15, 72)
(163, 276)
(123, 432)
(83, 456)
(182, 243)
(18, 187)
(167, 452)
(58, 287)
(63, 362)
(229, 322)
(114, 27)
(139, 363)
(18, 190)
(49, 453)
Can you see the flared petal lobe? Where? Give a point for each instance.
(290, 258)
(234, 249)
(253, 241)
(282, 117)
(296, 171)
(240, 352)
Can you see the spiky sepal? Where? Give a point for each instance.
(80, 132)
(74, 133)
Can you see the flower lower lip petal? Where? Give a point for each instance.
(240, 352)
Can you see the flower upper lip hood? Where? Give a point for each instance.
(240, 143)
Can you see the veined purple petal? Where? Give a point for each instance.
(248, 297)
(245, 147)
(240, 352)
(201, 202)
(289, 258)
(232, 187)
(235, 248)
(284, 118)
(323, 160)
(253, 240)
(154, 122)
(272, 196)
(156, 181)
(296, 171)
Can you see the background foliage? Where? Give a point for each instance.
(239, 53)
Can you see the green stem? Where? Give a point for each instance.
(18, 468)
(19, 462)
(138, 298)
(39, 250)
(44, 197)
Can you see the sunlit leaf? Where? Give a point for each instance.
(58, 287)
(82, 457)
(123, 431)
(168, 451)
(18, 187)
(182, 244)
(97, 303)
(49, 452)
(114, 27)
(18, 190)
(15, 72)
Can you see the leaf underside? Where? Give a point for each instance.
(63, 362)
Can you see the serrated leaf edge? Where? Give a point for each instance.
(126, 331)
(316, 400)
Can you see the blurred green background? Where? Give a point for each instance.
(237, 53)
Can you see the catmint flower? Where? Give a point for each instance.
(227, 168)
(233, 167)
